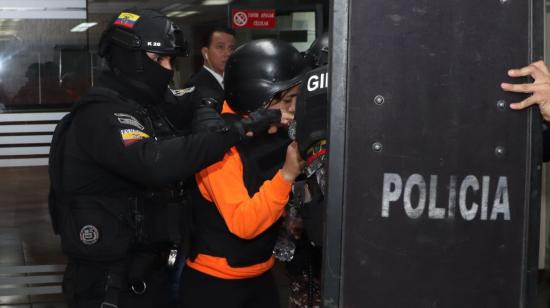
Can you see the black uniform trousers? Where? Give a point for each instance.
(204, 291)
(84, 286)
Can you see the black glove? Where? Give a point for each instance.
(206, 117)
(258, 121)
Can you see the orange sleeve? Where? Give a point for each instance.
(246, 217)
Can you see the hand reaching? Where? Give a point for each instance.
(540, 88)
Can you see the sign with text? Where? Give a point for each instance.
(264, 19)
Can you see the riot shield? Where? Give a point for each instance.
(434, 182)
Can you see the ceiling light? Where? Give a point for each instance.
(50, 4)
(83, 26)
(7, 32)
(183, 14)
(58, 14)
(179, 14)
(175, 7)
(173, 14)
(215, 2)
(43, 9)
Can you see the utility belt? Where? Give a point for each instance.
(103, 228)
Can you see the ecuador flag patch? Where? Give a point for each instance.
(131, 136)
(127, 20)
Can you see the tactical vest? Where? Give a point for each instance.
(261, 157)
(104, 228)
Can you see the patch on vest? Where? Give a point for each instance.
(182, 92)
(89, 235)
(131, 136)
(127, 119)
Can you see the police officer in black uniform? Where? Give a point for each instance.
(310, 131)
(116, 168)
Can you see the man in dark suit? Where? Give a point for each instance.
(217, 46)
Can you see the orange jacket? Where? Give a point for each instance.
(246, 217)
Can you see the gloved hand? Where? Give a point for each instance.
(206, 117)
(258, 122)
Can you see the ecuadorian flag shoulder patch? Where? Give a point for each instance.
(127, 20)
(131, 136)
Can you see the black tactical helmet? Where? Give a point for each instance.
(148, 30)
(258, 70)
(317, 54)
(125, 44)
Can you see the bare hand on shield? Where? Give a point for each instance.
(540, 88)
(293, 163)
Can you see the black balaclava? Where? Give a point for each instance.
(139, 71)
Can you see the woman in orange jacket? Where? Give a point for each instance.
(237, 203)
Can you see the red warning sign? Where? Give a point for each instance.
(253, 18)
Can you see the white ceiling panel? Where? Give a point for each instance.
(41, 4)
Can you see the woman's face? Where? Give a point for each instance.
(286, 102)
